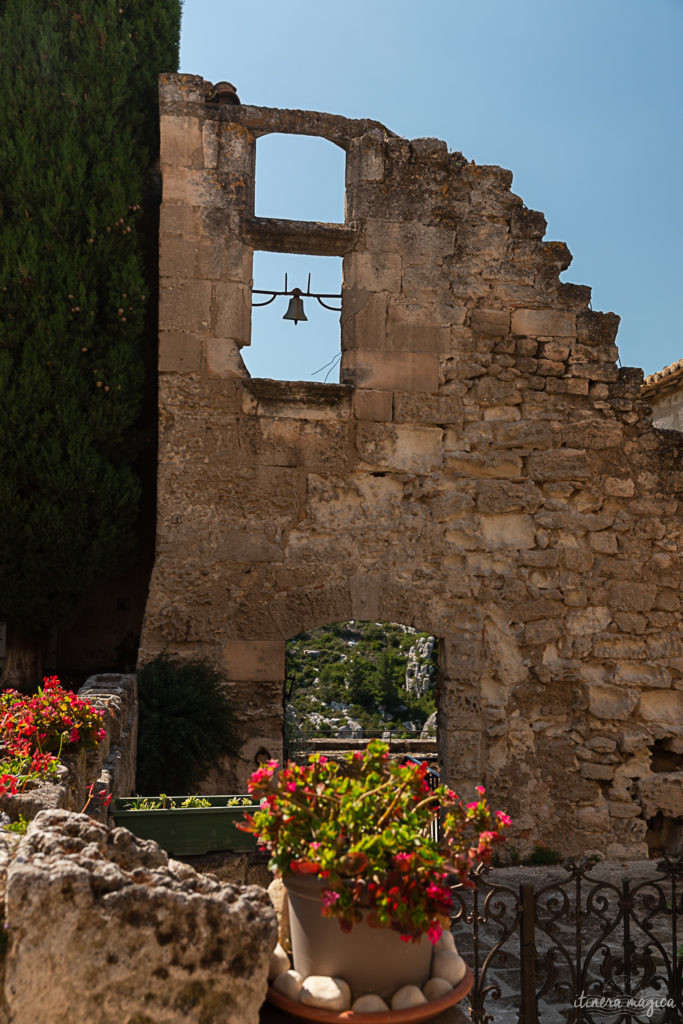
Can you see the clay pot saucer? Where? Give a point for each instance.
(416, 1013)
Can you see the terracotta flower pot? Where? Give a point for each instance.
(369, 959)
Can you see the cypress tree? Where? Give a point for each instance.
(79, 130)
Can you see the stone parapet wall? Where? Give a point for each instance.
(116, 696)
(484, 471)
(109, 767)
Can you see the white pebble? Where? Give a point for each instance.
(446, 942)
(406, 997)
(346, 989)
(370, 1004)
(288, 984)
(435, 988)
(279, 962)
(318, 990)
(450, 966)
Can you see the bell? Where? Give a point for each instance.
(295, 309)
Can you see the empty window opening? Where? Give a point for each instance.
(664, 836)
(356, 680)
(664, 757)
(300, 178)
(281, 349)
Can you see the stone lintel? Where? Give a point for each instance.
(305, 392)
(299, 236)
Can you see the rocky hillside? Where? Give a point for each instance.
(360, 679)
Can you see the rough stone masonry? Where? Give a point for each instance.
(483, 472)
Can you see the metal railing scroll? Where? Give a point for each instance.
(578, 950)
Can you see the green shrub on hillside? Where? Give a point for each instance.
(361, 665)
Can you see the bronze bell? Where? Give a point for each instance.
(295, 309)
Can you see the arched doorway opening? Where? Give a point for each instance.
(348, 682)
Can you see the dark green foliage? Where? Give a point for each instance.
(185, 723)
(78, 123)
(543, 855)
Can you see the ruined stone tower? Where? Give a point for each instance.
(483, 471)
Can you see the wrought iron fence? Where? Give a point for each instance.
(579, 950)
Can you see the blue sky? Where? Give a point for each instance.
(581, 99)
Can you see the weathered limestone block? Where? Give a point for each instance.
(185, 305)
(186, 186)
(314, 445)
(223, 358)
(491, 321)
(497, 465)
(392, 371)
(590, 620)
(231, 306)
(543, 323)
(409, 237)
(103, 927)
(363, 318)
(594, 328)
(665, 707)
(367, 163)
(180, 353)
(608, 703)
(509, 530)
(181, 142)
(561, 464)
(503, 413)
(372, 405)
(380, 272)
(662, 792)
(180, 89)
(640, 673)
(496, 496)
(179, 219)
(254, 660)
(403, 446)
(441, 409)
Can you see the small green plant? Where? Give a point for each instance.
(195, 801)
(543, 855)
(185, 724)
(18, 827)
(240, 801)
(152, 803)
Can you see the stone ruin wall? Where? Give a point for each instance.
(483, 472)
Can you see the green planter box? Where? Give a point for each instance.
(183, 831)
